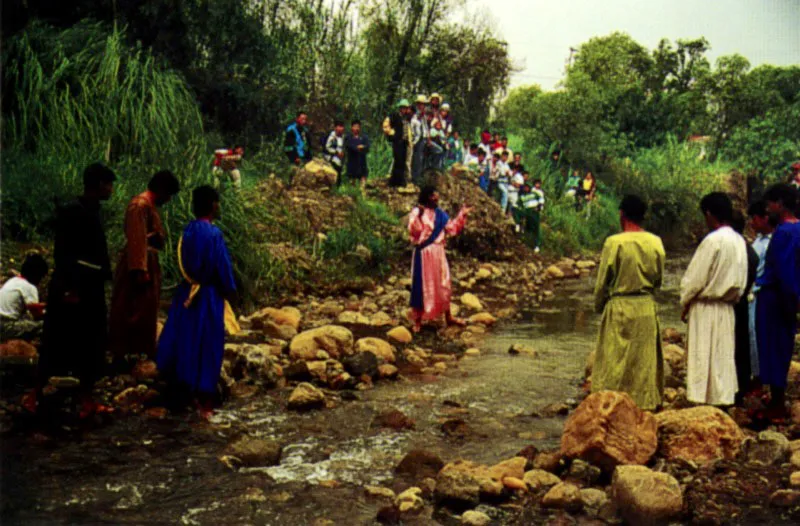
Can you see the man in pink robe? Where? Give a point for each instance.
(428, 227)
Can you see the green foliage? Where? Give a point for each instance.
(767, 146)
(671, 178)
(84, 90)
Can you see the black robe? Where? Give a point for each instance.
(75, 326)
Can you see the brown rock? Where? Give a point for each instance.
(675, 356)
(145, 370)
(699, 434)
(563, 496)
(306, 396)
(537, 479)
(382, 349)
(420, 464)
(289, 316)
(671, 335)
(551, 461)
(784, 498)
(483, 318)
(337, 341)
(644, 496)
(608, 429)
(19, 350)
(387, 371)
(253, 451)
(393, 419)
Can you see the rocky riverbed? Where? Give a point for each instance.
(336, 415)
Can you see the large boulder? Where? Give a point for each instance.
(336, 340)
(644, 496)
(382, 349)
(254, 452)
(608, 429)
(699, 434)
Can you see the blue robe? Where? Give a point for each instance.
(192, 343)
(776, 308)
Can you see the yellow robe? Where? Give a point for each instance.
(628, 356)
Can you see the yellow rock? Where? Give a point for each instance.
(483, 317)
(400, 335)
(382, 349)
(471, 301)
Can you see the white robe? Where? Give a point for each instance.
(713, 283)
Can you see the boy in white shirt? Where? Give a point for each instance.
(20, 309)
(514, 187)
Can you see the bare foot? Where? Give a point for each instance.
(456, 321)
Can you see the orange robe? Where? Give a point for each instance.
(134, 308)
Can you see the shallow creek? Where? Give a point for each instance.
(138, 471)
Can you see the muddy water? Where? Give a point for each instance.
(138, 471)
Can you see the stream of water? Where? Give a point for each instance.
(139, 471)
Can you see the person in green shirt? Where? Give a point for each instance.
(628, 355)
(528, 212)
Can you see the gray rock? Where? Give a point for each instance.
(768, 448)
(361, 364)
(254, 452)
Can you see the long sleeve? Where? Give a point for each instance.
(224, 267)
(330, 145)
(605, 273)
(415, 225)
(697, 274)
(662, 259)
(136, 236)
(456, 225)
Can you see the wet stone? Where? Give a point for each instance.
(365, 363)
(419, 464)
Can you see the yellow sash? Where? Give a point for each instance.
(231, 325)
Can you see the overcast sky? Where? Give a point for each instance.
(540, 32)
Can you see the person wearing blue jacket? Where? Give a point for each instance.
(296, 144)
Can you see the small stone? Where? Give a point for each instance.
(145, 370)
(484, 318)
(593, 500)
(475, 518)
(537, 479)
(564, 496)
(306, 396)
(379, 492)
(352, 318)
(471, 301)
(393, 419)
(420, 464)
(387, 371)
(483, 274)
(514, 483)
(255, 452)
(400, 335)
(554, 272)
(410, 501)
(518, 348)
(380, 319)
(794, 460)
(794, 479)
(784, 498)
(472, 352)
